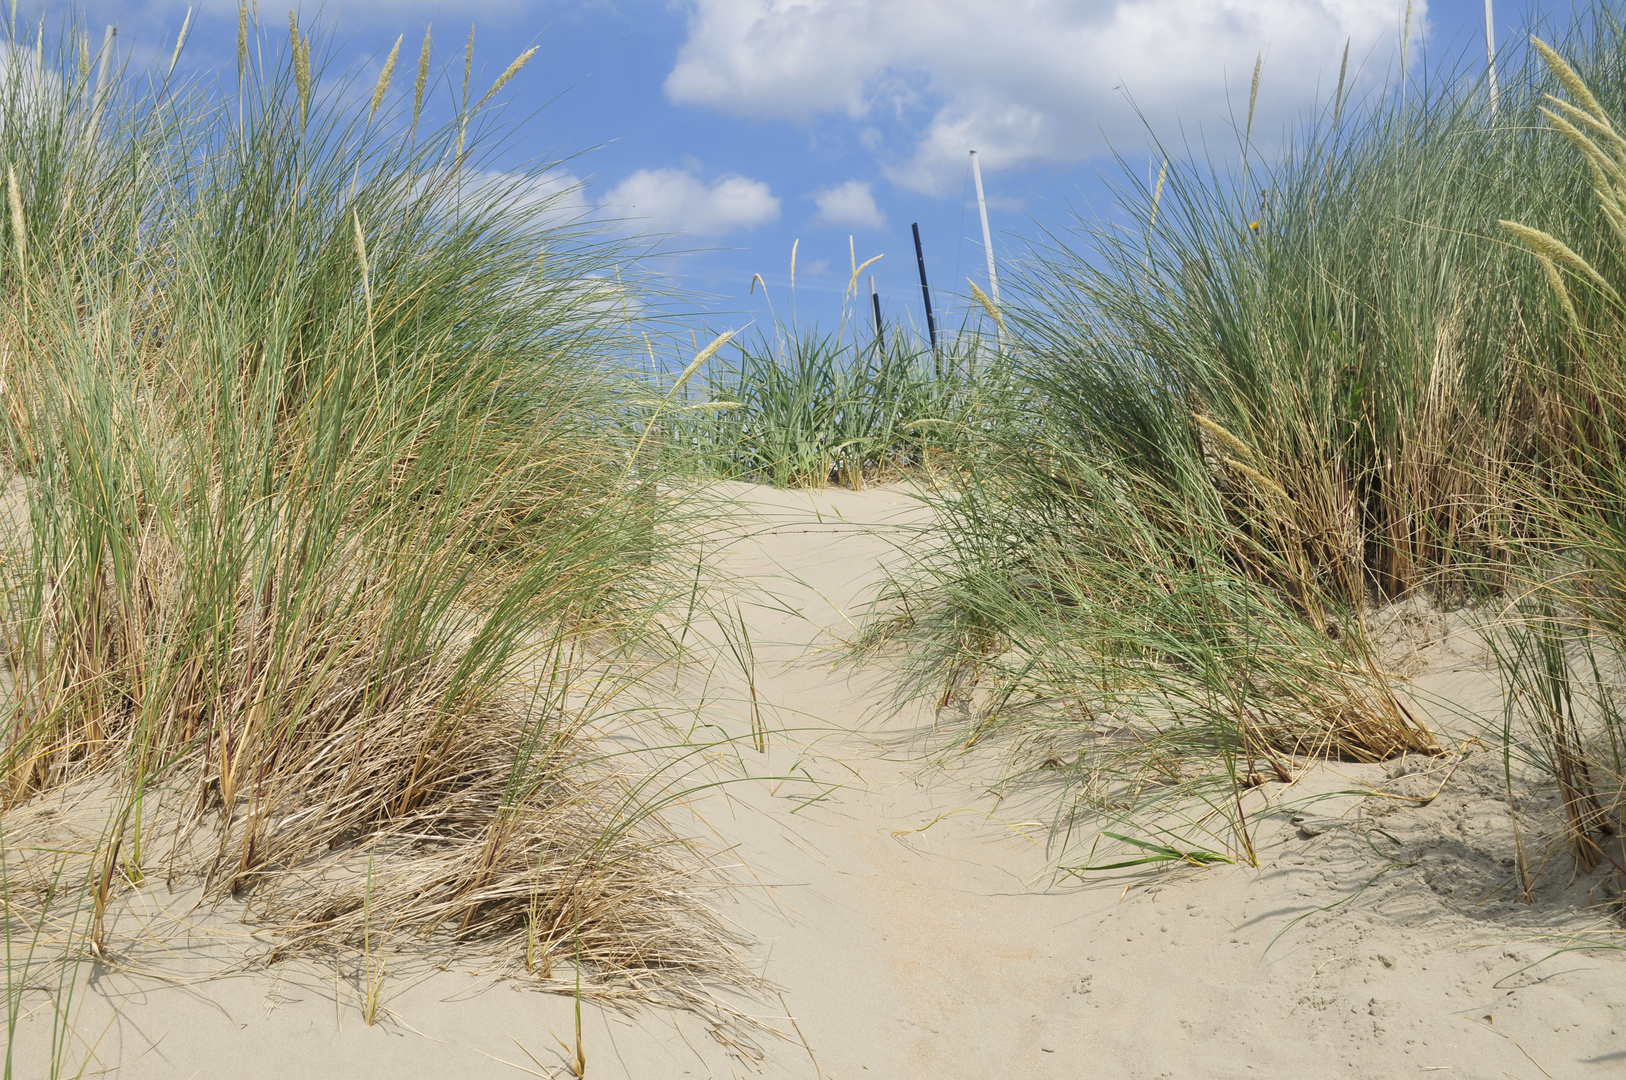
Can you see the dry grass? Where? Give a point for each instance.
(1561, 649)
(1309, 386)
(322, 546)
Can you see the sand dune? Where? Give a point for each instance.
(914, 926)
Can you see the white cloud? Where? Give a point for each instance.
(558, 193)
(851, 204)
(31, 92)
(1024, 82)
(676, 200)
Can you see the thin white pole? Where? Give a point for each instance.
(987, 238)
(102, 58)
(99, 95)
(1490, 56)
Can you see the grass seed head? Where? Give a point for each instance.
(1556, 251)
(361, 247)
(1555, 279)
(1230, 441)
(1338, 96)
(302, 66)
(512, 70)
(180, 43)
(1572, 82)
(19, 225)
(1253, 93)
(700, 359)
(1259, 479)
(384, 78)
(422, 80)
(468, 64)
(852, 284)
(1157, 194)
(987, 305)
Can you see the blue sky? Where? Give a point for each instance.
(737, 127)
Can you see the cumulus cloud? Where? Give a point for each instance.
(676, 200)
(1025, 82)
(558, 195)
(850, 204)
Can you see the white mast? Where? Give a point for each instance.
(1490, 56)
(988, 249)
(987, 238)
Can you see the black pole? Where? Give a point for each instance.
(925, 290)
(875, 299)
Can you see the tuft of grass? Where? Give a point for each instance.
(1561, 650)
(311, 482)
(1308, 384)
(808, 409)
(737, 637)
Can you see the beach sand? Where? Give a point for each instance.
(913, 925)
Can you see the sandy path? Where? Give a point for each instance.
(953, 953)
(913, 944)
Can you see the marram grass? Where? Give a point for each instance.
(805, 408)
(1562, 648)
(315, 523)
(1289, 394)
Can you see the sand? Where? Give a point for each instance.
(914, 926)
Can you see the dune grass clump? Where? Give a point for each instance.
(808, 408)
(811, 411)
(1301, 386)
(1562, 650)
(316, 526)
